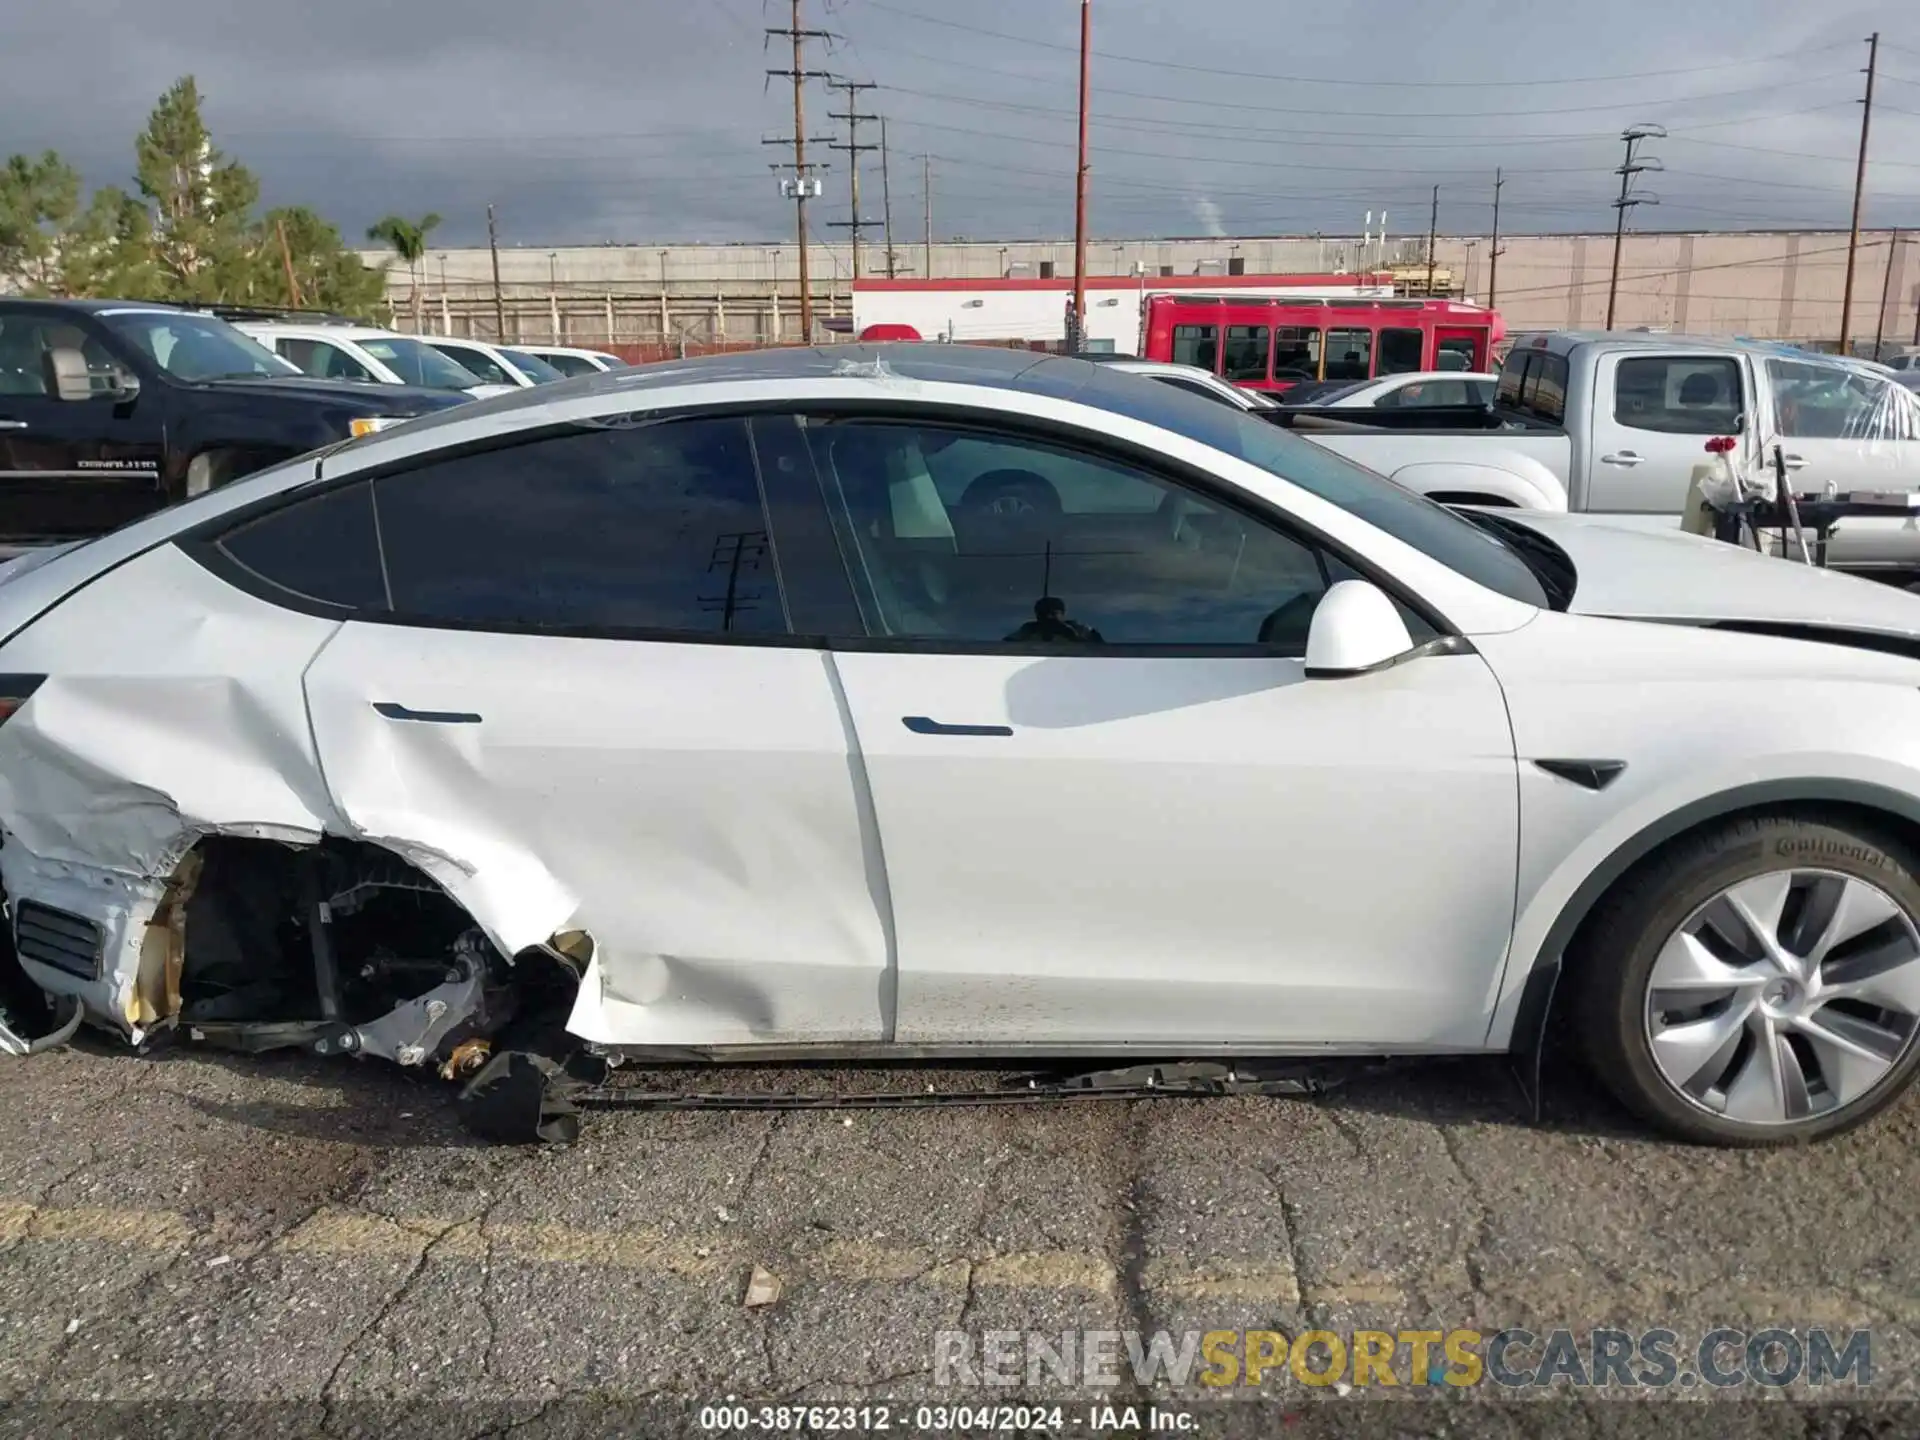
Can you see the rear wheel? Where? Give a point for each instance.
(1758, 983)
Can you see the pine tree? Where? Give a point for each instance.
(189, 235)
(39, 200)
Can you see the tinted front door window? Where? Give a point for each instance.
(961, 536)
(478, 362)
(1678, 394)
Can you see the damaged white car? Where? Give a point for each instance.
(934, 701)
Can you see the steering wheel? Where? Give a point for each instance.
(1005, 494)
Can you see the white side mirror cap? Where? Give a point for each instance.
(1356, 628)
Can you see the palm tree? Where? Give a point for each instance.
(409, 241)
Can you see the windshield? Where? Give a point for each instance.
(417, 363)
(196, 347)
(531, 366)
(1412, 519)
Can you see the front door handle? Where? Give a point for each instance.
(425, 717)
(1621, 457)
(921, 725)
(13, 424)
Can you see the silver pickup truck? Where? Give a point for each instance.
(1615, 424)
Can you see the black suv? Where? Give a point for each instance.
(111, 409)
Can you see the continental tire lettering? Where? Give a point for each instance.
(1836, 849)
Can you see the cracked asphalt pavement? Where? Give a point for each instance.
(323, 1240)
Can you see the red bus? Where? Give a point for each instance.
(1275, 342)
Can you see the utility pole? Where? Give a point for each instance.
(1859, 191)
(1886, 288)
(802, 183)
(854, 149)
(1629, 197)
(499, 305)
(293, 285)
(926, 194)
(1078, 337)
(1493, 251)
(1433, 237)
(886, 195)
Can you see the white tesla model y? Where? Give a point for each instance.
(938, 701)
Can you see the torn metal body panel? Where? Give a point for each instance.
(172, 710)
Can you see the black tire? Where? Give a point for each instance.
(1614, 957)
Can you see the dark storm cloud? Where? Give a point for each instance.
(642, 120)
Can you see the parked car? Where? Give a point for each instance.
(569, 360)
(1614, 424)
(503, 365)
(111, 409)
(334, 349)
(1417, 390)
(1228, 748)
(1190, 378)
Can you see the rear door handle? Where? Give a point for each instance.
(425, 717)
(13, 424)
(921, 725)
(1621, 457)
(1795, 462)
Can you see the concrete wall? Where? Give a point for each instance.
(1784, 285)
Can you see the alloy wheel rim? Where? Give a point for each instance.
(1785, 997)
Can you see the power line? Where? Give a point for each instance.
(1336, 139)
(1612, 105)
(1164, 64)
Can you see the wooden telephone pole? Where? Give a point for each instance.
(853, 225)
(1493, 250)
(1859, 191)
(1079, 336)
(1433, 238)
(886, 196)
(801, 183)
(499, 305)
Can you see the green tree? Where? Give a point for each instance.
(108, 251)
(409, 241)
(330, 276)
(202, 202)
(189, 234)
(39, 201)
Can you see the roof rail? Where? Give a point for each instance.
(276, 312)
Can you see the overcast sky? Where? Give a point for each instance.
(641, 120)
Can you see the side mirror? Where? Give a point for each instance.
(1355, 629)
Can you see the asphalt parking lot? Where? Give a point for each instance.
(325, 1238)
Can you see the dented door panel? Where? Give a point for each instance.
(692, 807)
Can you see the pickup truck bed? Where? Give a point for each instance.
(1465, 455)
